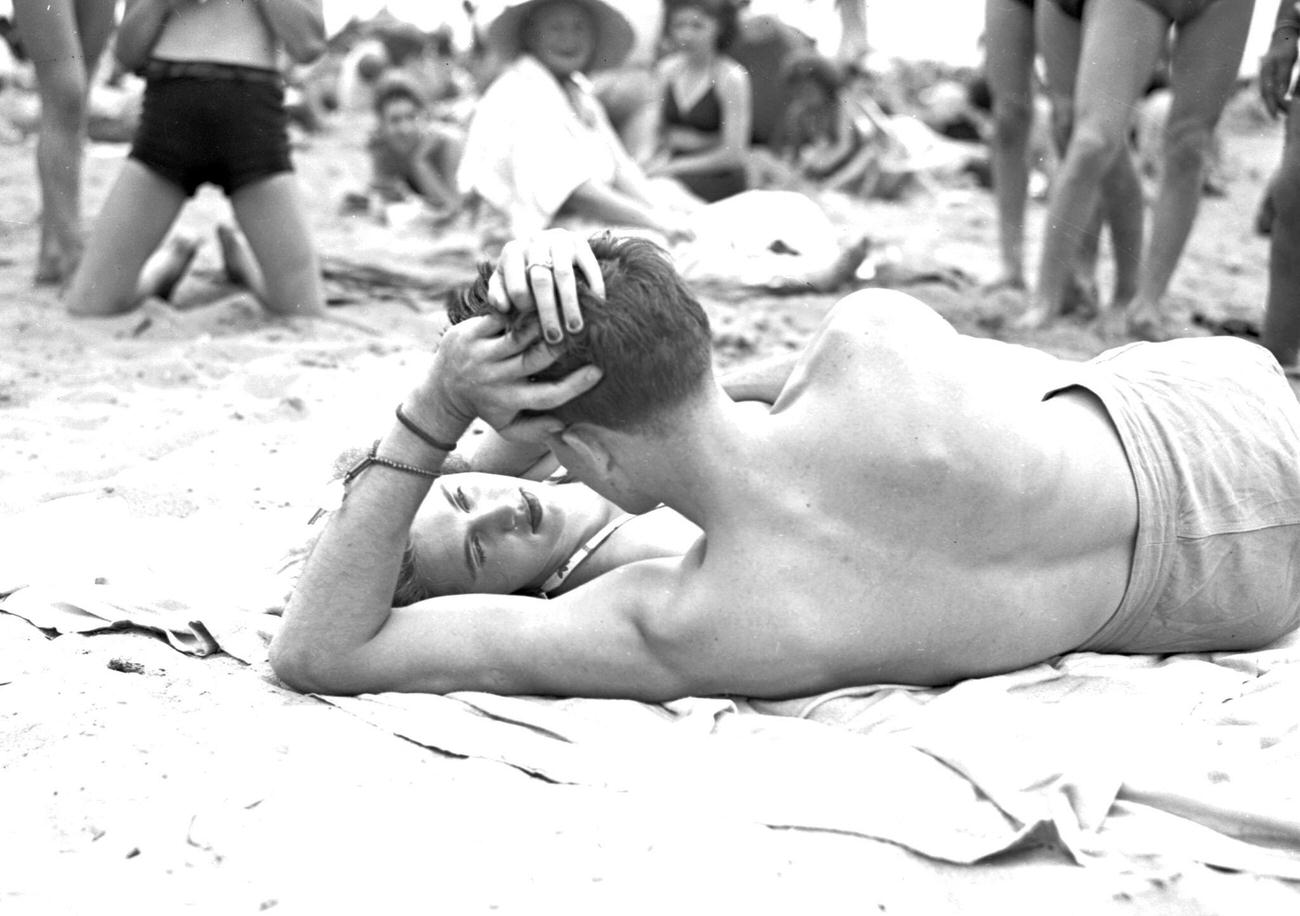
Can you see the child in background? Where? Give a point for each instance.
(832, 140)
(410, 153)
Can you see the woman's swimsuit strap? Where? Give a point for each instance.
(556, 578)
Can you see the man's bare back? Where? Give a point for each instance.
(908, 516)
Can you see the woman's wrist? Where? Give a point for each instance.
(427, 425)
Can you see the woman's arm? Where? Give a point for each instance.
(142, 24)
(737, 121)
(616, 206)
(342, 603)
(298, 24)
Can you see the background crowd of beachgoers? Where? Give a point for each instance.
(918, 113)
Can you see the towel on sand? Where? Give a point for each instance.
(1139, 764)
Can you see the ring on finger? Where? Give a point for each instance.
(546, 264)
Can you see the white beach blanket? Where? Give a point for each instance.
(1137, 764)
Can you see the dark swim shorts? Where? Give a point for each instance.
(212, 123)
(1212, 433)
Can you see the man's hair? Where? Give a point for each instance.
(723, 12)
(393, 91)
(649, 336)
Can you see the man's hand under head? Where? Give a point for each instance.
(538, 275)
(483, 368)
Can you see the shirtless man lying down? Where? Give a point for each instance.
(918, 507)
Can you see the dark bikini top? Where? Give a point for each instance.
(705, 115)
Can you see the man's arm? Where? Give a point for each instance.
(299, 24)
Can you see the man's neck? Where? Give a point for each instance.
(698, 468)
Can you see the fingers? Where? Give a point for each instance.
(510, 280)
(542, 283)
(532, 429)
(549, 395)
(536, 358)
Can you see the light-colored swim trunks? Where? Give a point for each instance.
(1212, 432)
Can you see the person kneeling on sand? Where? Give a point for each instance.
(213, 113)
(919, 506)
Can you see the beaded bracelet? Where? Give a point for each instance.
(375, 458)
(420, 434)
(336, 490)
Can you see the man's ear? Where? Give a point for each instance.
(586, 442)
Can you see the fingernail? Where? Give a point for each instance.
(575, 326)
(553, 336)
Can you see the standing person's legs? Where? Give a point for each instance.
(63, 58)
(135, 218)
(1282, 313)
(1009, 46)
(1059, 38)
(271, 214)
(1121, 41)
(1206, 58)
(95, 22)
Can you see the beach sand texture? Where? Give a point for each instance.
(187, 444)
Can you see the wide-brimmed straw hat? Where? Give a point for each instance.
(614, 34)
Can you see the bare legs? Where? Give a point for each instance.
(139, 210)
(1059, 39)
(1121, 43)
(1206, 57)
(118, 270)
(1282, 315)
(271, 214)
(1009, 34)
(65, 39)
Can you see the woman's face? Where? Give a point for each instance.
(693, 31)
(562, 36)
(486, 533)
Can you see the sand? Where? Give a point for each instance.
(135, 778)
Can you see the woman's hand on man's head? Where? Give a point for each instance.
(484, 368)
(539, 275)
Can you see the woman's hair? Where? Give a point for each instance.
(723, 12)
(408, 589)
(649, 337)
(809, 66)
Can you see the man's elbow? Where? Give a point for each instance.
(309, 670)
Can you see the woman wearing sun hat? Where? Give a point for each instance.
(539, 143)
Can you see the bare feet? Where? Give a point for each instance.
(168, 267)
(236, 259)
(1034, 318)
(1081, 301)
(844, 269)
(1148, 322)
(1007, 281)
(56, 263)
